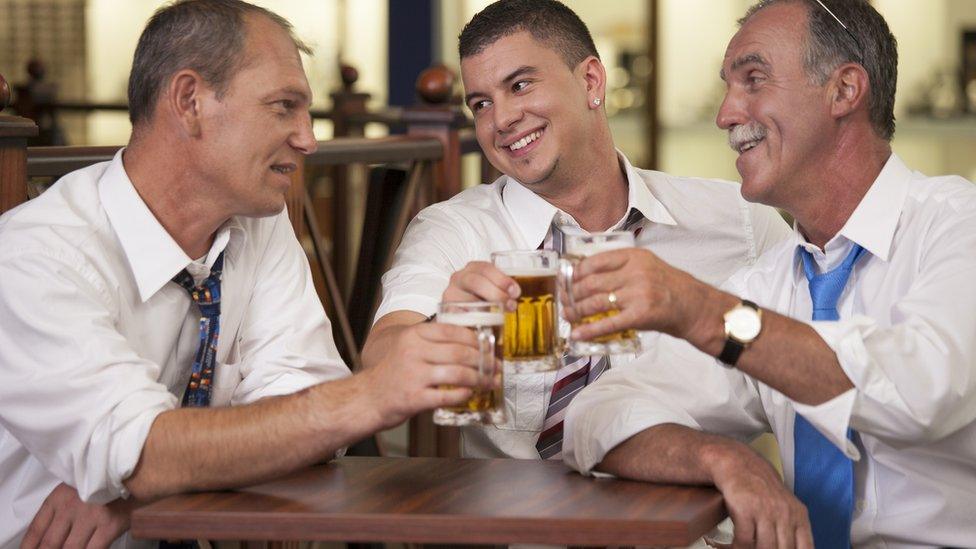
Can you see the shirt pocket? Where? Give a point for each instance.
(526, 398)
(227, 377)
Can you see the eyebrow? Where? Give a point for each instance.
(292, 91)
(747, 59)
(521, 71)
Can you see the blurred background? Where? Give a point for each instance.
(663, 58)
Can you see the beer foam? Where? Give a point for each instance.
(593, 248)
(473, 319)
(529, 271)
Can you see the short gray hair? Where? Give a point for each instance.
(206, 36)
(829, 46)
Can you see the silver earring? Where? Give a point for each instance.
(597, 101)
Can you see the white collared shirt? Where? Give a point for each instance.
(906, 339)
(700, 225)
(95, 341)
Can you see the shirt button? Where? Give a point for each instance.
(859, 506)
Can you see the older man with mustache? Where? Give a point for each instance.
(853, 342)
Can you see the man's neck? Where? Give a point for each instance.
(838, 189)
(173, 196)
(597, 196)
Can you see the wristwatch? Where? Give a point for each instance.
(742, 326)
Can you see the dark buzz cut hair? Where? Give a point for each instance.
(829, 46)
(206, 36)
(548, 21)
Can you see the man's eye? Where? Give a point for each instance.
(755, 78)
(520, 85)
(478, 105)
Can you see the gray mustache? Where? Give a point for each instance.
(745, 133)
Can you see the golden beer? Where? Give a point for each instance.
(532, 329)
(487, 403)
(579, 247)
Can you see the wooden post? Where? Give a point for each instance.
(348, 106)
(436, 116)
(14, 132)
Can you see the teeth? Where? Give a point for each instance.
(525, 141)
(747, 146)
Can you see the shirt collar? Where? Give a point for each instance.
(873, 222)
(533, 215)
(152, 254)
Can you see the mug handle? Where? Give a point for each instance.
(486, 352)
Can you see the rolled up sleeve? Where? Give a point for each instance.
(671, 382)
(72, 391)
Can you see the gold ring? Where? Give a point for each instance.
(612, 298)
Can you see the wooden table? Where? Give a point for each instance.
(447, 501)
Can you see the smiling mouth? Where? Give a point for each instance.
(283, 169)
(748, 145)
(525, 141)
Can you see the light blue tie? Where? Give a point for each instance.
(824, 476)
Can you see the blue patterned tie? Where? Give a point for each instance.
(207, 298)
(823, 475)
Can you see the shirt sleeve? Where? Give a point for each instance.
(432, 249)
(286, 342)
(913, 373)
(671, 382)
(72, 390)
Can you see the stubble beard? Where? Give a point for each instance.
(545, 177)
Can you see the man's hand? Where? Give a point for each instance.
(764, 513)
(482, 281)
(430, 365)
(65, 521)
(650, 294)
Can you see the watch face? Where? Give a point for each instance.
(743, 323)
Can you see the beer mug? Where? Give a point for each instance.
(579, 246)
(532, 330)
(486, 404)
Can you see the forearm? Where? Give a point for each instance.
(671, 453)
(208, 449)
(788, 355)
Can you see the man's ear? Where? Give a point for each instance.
(594, 75)
(184, 100)
(849, 89)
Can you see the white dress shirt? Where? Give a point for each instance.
(95, 341)
(703, 226)
(906, 340)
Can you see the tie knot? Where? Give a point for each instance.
(826, 288)
(207, 294)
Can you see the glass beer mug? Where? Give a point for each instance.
(532, 330)
(487, 320)
(578, 247)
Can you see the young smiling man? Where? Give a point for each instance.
(856, 345)
(535, 85)
(173, 271)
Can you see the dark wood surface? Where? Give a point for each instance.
(447, 501)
